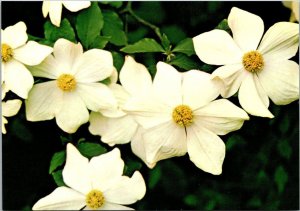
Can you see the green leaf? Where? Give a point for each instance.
(280, 178)
(223, 25)
(116, 4)
(58, 178)
(191, 200)
(118, 60)
(89, 24)
(145, 45)
(185, 46)
(53, 33)
(284, 149)
(57, 160)
(99, 42)
(90, 150)
(132, 166)
(113, 28)
(234, 140)
(184, 62)
(165, 42)
(284, 125)
(154, 177)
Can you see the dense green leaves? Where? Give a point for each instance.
(53, 33)
(57, 160)
(185, 46)
(100, 42)
(143, 46)
(280, 178)
(90, 150)
(113, 28)
(89, 24)
(184, 62)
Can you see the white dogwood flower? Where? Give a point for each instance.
(74, 87)
(16, 52)
(294, 7)
(121, 129)
(97, 184)
(54, 8)
(9, 109)
(259, 69)
(179, 116)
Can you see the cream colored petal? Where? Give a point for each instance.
(114, 76)
(49, 68)
(15, 36)
(280, 42)
(111, 206)
(44, 101)
(96, 96)
(76, 173)
(164, 141)
(126, 190)
(206, 149)
(135, 77)
(75, 6)
(32, 53)
(72, 114)
(112, 130)
(198, 89)
(106, 169)
(295, 9)
(217, 47)
(93, 66)
(55, 10)
(120, 93)
(280, 80)
(220, 117)
(62, 198)
(253, 98)
(45, 8)
(67, 54)
(167, 84)
(231, 77)
(247, 28)
(18, 79)
(4, 121)
(138, 147)
(11, 107)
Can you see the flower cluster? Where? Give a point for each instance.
(174, 114)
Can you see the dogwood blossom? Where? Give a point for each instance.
(180, 116)
(74, 87)
(16, 52)
(97, 184)
(258, 69)
(136, 81)
(54, 8)
(294, 7)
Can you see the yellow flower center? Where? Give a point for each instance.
(183, 115)
(253, 61)
(66, 82)
(94, 199)
(6, 52)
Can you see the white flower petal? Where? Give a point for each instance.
(49, 68)
(164, 141)
(280, 42)
(198, 89)
(247, 28)
(96, 96)
(62, 198)
(18, 79)
(75, 6)
(135, 77)
(15, 36)
(148, 111)
(167, 84)
(120, 93)
(106, 169)
(72, 114)
(126, 190)
(114, 76)
(220, 117)
(138, 147)
(45, 8)
(55, 10)
(67, 54)
(76, 173)
(110, 206)
(44, 101)
(4, 121)
(231, 77)
(253, 98)
(93, 66)
(112, 130)
(217, 47)
(206, 149)
(280, 80)
(32, 53)
(11, 107)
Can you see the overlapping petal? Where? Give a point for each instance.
(55, 10)
(11, 107)
(49, 68)
(75, 6)
(14, 36)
